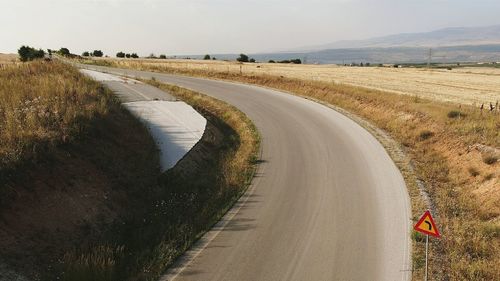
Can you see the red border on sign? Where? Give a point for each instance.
(424, 216)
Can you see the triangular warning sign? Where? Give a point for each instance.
(426, 225)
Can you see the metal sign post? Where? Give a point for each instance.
(426, 256)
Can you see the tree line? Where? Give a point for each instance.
(246, 58)
(95, 53)
(126, 55)
(27, 53)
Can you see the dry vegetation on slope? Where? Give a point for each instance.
(43, 104)
(80, 189)
(454, 149)
(460, 85)
(193, 196)
(65, 179)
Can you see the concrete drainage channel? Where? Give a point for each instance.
(175, 126)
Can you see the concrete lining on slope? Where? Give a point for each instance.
(175, 126)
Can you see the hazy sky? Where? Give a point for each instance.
(223, 26)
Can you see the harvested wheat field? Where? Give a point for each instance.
(474, 86)
(7, 58)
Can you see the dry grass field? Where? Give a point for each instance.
(43, 103)
(8, 58)
(461, 85)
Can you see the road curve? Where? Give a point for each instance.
(327, 203)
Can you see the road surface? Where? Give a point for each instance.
(327, 203)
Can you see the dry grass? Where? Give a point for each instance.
(239, 167)
(461, 85)
(466, 204)
(51, 111)
(43, 104)
(8, 59)
(65, 180)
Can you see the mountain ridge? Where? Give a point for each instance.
(445, 37)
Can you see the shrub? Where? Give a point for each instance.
(97, 53)
(425, 134)
(134, 56)
(295, 61)
(206, 57)
(252, 60)
(491, 231)
(489, 176)
(454, 114)
(490, 159)
(271, 61)
(163, 57)
(27, 53)
(86, 54)
(127, 55)
(473, 172)
(64, 52)
(120, 55)
(242, 58)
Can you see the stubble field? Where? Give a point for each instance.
(8, 58)
(468, 85)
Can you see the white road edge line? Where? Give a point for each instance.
(132, 89)
(195, 250)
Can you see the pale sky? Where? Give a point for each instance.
(175, 27)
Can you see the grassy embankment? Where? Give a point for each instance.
(64, 176)
(191, 198)
(443, 142)
(82, 197)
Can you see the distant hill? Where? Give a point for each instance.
(452, 54)
(455, 36)
(479, 53)
(458, 44)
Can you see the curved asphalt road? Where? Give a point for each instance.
(328, 203)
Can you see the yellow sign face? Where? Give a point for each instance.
(426, 225)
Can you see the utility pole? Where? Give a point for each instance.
(429, 59)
